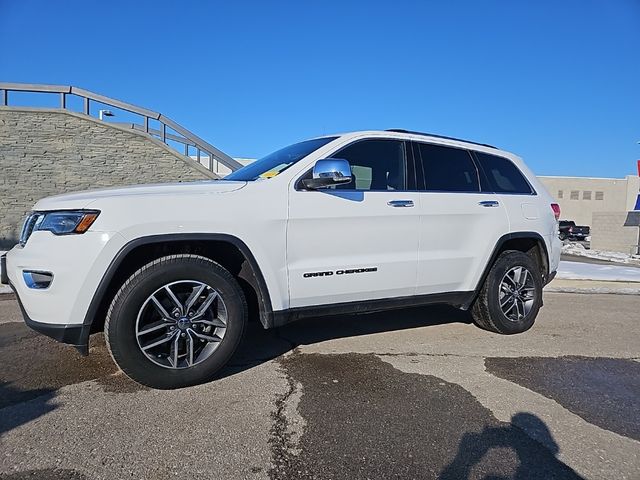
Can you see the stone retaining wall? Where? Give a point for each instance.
(45, 152)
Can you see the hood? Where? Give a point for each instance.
(85, 198)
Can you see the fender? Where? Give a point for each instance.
(496, 252)
(264, 301)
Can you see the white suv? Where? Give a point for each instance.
(338, 224)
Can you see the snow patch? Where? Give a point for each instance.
(588, 271)
(594, 290)
(578, 250)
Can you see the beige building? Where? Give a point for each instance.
(603, 204)
(580, 197)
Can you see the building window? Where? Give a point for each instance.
(560, 194)
(586, 195)
(575, 194)
(599, 195)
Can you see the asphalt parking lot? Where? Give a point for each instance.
(416, 393)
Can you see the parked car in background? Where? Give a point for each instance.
(570, 231)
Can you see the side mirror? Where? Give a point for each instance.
(328, 172)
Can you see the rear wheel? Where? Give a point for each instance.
(511, 296)
(176, 321)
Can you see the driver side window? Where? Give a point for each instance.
(376, 165)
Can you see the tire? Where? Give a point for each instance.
(521, 308)
(159, 344)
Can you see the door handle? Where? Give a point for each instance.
(489, 203)
(400, 203)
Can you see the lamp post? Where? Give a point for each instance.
(105, 113)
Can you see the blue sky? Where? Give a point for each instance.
(557, 82)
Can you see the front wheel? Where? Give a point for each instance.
(176, 321)
(511, 296)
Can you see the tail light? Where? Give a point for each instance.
(556, 210)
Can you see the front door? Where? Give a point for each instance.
(358, 241)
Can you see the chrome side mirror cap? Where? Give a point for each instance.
(328, 172)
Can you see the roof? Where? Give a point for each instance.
(400, 130)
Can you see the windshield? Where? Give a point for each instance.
(277, 162)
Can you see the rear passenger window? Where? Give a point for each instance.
(448, 169)
(502, 174)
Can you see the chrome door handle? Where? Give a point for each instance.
(489, 203)
(400, 203)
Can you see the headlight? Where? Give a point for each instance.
(63, 222)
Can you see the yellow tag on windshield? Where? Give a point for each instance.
(269, 174)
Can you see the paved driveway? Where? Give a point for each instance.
(417, 393)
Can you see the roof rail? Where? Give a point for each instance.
(400, 130)
(182, 135)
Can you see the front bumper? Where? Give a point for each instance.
(75, 335)
(77, 264)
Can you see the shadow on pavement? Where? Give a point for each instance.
(475, 446)
(38, 406)
(33, 364)
(260, 345)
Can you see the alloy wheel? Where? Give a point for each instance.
(517, 293)
(181, 324)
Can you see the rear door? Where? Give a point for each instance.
(529, 211)
(459, 225)
(359, 241)
(514, 191)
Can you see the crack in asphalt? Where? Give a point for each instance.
(419, 354)
(280, 436)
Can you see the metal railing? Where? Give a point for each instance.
(182, 136)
